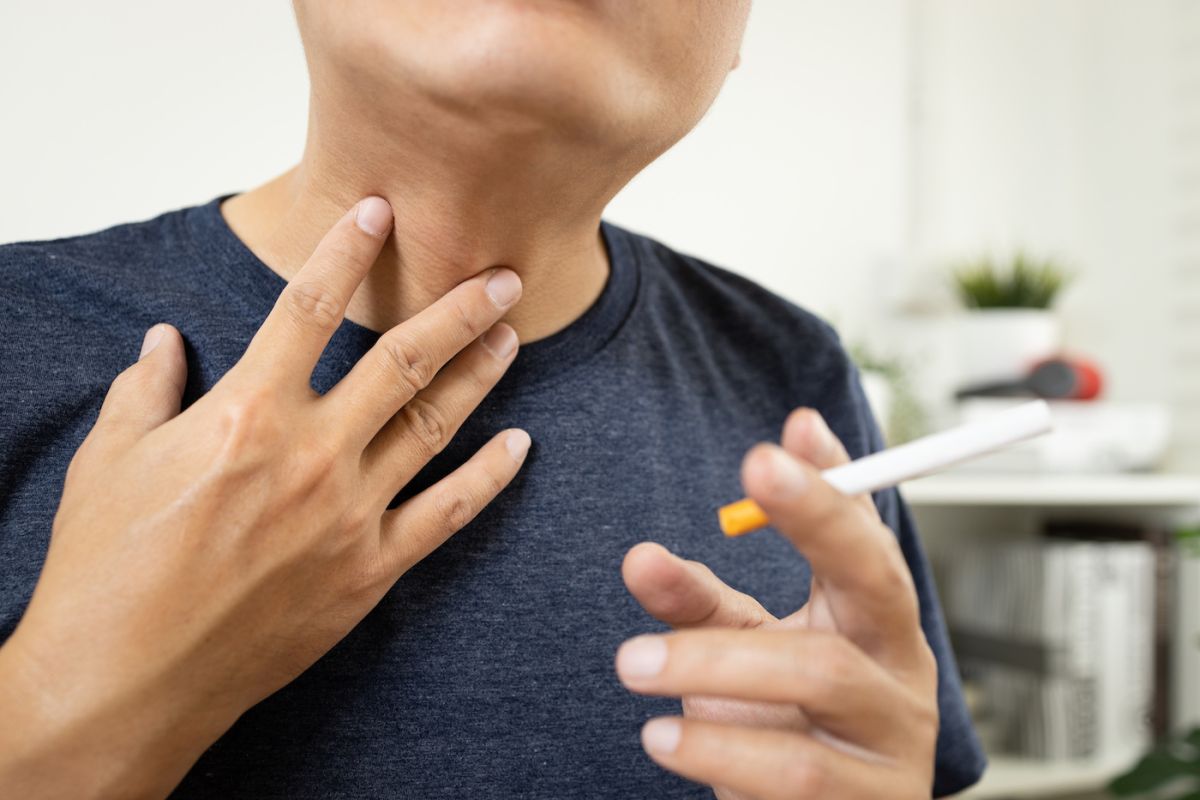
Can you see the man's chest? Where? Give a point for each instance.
(497, 650)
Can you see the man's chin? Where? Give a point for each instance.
(526, 92)
(555, 64)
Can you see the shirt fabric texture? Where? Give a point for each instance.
(488, 669)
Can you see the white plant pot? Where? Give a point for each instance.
(1003, 343)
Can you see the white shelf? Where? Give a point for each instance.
(1128, 491)
(1021, 778)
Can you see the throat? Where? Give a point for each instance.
(442, 236)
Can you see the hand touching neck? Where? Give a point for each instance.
(468, 193)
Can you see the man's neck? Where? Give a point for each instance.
(460, 207)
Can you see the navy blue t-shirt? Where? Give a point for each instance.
(488, 670)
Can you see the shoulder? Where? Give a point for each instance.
(744, 306)
(122, 251)
(92, 287)
(74, 308)
(766, 343)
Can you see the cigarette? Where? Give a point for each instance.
(916, 459)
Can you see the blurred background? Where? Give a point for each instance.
(991, 200)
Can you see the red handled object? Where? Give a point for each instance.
(1052, 379)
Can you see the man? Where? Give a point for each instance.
(498, 132)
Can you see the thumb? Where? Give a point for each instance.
(149, 392)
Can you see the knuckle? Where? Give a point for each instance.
(469, 325)
(924, 672)
(357, 518)
(456, 509)
(341, 250)
(927, 658)
(927, 719)
(824, 505)
(407, 360)
(802, 777)
(891, 572)
(311, 304)
(129, 383)
(314, 462)
(837, 653)
(246, 423)
(124, 378)
(427, 424)
(78, 461)
(493, 483)
(480, 379)
(846, 511)
(832, 670)
(371, 576)
(826, 514)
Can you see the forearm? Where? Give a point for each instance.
(85, 736)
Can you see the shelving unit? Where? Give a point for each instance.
(953, 505)
(1020, 778)
(1166, 492)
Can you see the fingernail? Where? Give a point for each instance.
(500, 340)
(785, 478)
(641, 658)
(517, 442)
(373, 215)
(151, 340)
(661, 735)
(504, 287)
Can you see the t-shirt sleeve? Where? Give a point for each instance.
(960, 760)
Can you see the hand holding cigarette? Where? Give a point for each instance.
(840, 697)
(925, 456)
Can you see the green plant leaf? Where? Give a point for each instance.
(1189, 539)
(1156, 769)
(1023, 282)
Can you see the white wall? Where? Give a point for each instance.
(1056, 125)
(118, 110)
(1045, 125)
(799, 175)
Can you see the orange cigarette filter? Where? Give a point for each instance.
(741, 517)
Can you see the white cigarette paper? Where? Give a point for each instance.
(941, 450)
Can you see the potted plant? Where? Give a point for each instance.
(1171, 771)
(1009, 324)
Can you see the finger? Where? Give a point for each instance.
(311, 307)
(835, 683)
(686, 594)
(148, 393)
(807, 436)
(765, 763)
(854, 556)
(430, 420)
(406, 358)
(419, 526)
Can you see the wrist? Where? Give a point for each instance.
(72, 732)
